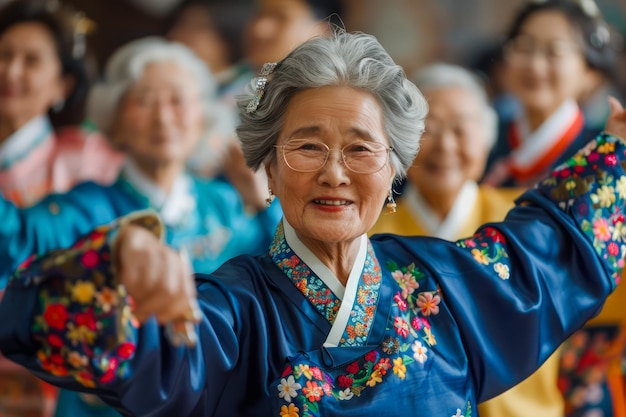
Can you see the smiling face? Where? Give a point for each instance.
(160, 118)
(30, 72)
(545, 62)
(333, 204)
(454, 146)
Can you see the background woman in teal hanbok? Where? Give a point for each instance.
(156, 101)
(328, 322)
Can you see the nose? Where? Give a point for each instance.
(13, 67)
(162, 111)
(445, 140)
(334, 172)
(262, 28)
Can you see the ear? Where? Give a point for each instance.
(270, 171)
(64, 87)
(67, 85)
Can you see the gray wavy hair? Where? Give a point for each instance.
(126, 67)
(343, 59)
(442, 75)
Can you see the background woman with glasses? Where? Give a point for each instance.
(552, 49)
(328, 322)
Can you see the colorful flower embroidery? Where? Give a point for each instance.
(592, 186)
(468, 412)
(313, 288)
(407, 345)
(325, 301)
(487, 247)
(592, 363)
(80, 326)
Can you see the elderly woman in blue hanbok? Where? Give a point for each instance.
(328, 322)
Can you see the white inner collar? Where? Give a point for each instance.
(24, 139)
(322, 270)
(450, 227)
(172, 207)
(535, 144)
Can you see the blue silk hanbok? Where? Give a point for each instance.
(424, 327)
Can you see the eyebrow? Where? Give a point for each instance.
(316, 130)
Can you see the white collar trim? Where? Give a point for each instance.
(322, 270)
(535, 144)
(450, 227)
(173, 207)
(25, 138)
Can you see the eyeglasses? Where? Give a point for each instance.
(305, 155)
(523, 48)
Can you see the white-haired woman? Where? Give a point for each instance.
(329, 322)
(156, 101)
(443, 199)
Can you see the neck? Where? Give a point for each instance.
(163, 175)
(440, 203)
(339, 257)
(537, 116)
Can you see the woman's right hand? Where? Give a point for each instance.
(158, 278)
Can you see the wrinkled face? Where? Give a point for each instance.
(30, 72)
(545, 62)
(195, 29)
(277, 28)
(160, 118)
(454, 146)
(332, 204)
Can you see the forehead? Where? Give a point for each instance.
(291, 8)
(548, 24)
(31, 35)
(166, 74)
(331, 110)
(453, 101)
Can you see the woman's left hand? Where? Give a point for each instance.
(616, 123)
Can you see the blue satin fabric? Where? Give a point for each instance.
(509, 296)
(491, 333)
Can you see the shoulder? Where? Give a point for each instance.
(500, 195)
(241, 276)
(217, 191)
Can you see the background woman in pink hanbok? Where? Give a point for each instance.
(43, 84)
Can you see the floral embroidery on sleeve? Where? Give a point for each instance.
(84, 325)
(592, 187)
(487, 247)
(83, 322)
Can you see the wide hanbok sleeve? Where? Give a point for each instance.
(511, 294)
(518, 288)
(54, 222)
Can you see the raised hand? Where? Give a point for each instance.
(616, 123)
(157, 277)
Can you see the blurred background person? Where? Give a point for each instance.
(552, 47)
(442, 199)
(214, 29)
(43, 84)
(43, 148)
(152, 104)
(278, 26)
